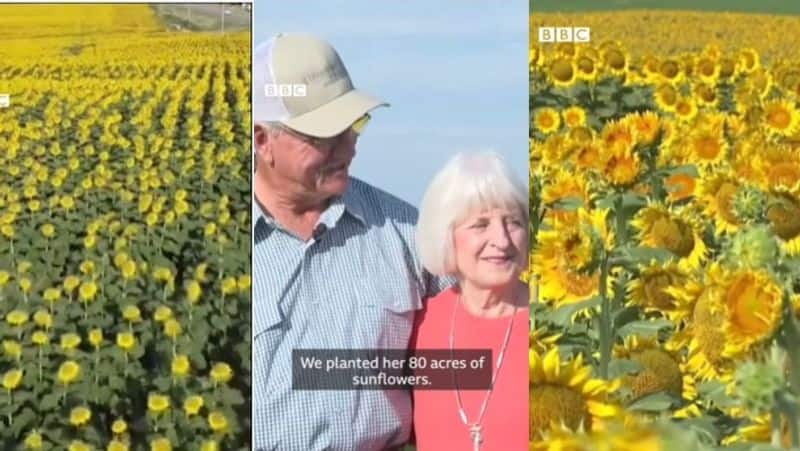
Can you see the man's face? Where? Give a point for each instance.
(319, 171)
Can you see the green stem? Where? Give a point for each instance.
(777, 433)
(790, 410)
(791, 333)
(619, 214)
(606, 339)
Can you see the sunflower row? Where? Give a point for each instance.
(665, 205)
(124, 263)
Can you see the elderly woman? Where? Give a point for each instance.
(473, 225)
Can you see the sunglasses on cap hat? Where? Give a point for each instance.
(326, 144)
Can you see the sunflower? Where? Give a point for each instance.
(560, 439)
(685, 109)
(616, 60)
(670, 71)
(563, 394)
(620, 165)
(677, 232)
(679, 187)
(662, 369)
(716, 192)
(784, 217)
(749, 60)
(541, 340)
(586, 154)
(728, 68)
(650, 67)
(567, 49)
(562, 72)
(758, 429)
(708, 145)
(564, 184)
(618, 134)
(650, 289)
(566, 255)
(574, 116)
(729, 314)
(547, 120)
(666, 97)
(587, 67)
(780, 169)
(781, 118)
(535, 56)
(706, 95)
(645, 125)
(707, 70)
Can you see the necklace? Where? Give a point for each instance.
(475, 429)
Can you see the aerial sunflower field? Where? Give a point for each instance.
(665, 206)
(124, 232)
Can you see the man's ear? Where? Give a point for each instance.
(262, 142)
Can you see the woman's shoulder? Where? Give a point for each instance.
(435, 312)
(443, 301)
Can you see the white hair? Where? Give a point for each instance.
(468, 183)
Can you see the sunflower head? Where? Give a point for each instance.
(651, 289)
(646, 126)
(749, 204)
(717, 190)
(781, 117)
(562, 71)
(586, 67)
(563, 394)
(660, 368)
(783, 214)
(755, 385)
(677, 232)
(708, 145)
(620, 165)
(753, 247)
(738, 310)
(666, 97)
(547, 120)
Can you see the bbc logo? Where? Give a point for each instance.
(285, 90)
(5, 100)
(564, 34)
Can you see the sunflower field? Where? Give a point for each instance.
(665, 207)
(124, 232)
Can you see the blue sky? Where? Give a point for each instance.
(454, 72)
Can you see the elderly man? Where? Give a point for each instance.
(333, 257)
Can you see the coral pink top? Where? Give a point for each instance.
(437, 423)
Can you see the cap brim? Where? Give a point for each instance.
(336, 116)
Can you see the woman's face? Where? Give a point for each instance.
(491, 247)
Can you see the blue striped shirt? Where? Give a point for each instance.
(356, 285)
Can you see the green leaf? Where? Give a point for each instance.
(162, 383)
(562, 316)
(644, 328)
(23, 421)
(655, 402)
(714, 391)
(50, 401)
(704, 427)
(633, 257)
(621, 367)
(232, 397)
(568, 203)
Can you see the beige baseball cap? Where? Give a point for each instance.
(300, 81)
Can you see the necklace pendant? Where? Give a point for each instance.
(477, 436)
